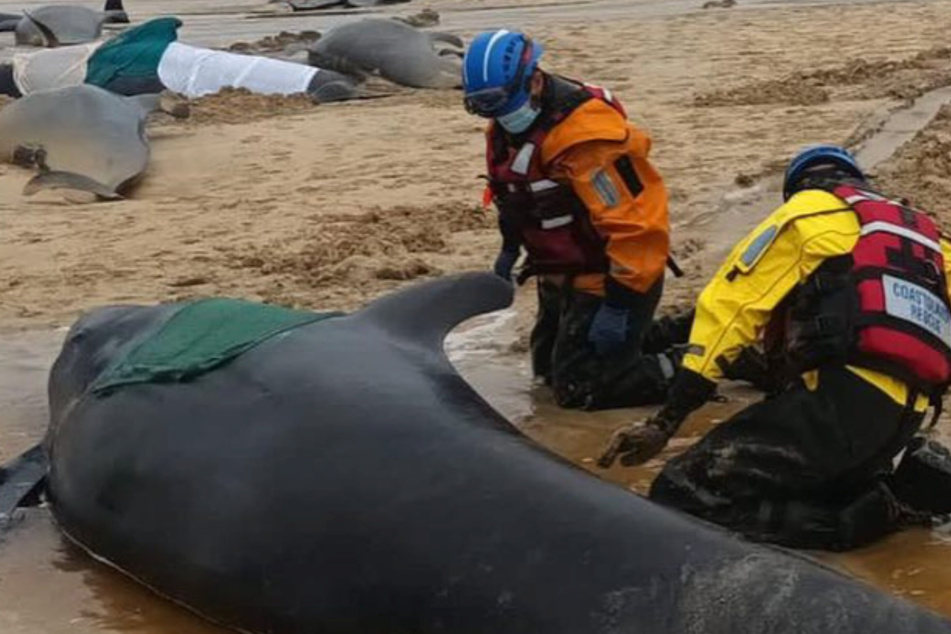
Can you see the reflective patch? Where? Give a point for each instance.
(696, 350)
(542, 185)
(605, 188)
(864, 195)
(917, 305)
(667, 368)
(523, 160)
(904, 232)
(554, 223)
(757, 247)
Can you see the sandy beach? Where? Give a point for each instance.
(329, 206)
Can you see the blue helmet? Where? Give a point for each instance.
(497, 71)
(830, 155)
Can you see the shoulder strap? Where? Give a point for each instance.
(562, 97)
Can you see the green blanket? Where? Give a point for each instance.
(200, 337)
(135, 52)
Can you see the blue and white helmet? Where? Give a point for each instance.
(497, 71)
(814, 156)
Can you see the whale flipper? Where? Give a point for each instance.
(20, 481)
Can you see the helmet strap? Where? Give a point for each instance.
(829, 173)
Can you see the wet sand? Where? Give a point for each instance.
(330, 206)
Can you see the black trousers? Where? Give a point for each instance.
(803, 469)
(579, 376)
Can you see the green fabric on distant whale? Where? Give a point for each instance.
(135, 52)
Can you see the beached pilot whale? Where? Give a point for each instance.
(341, 477)
(62, 24)
(396, 50)
(81, 137)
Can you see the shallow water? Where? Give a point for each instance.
(24, 363)
(899, 127)
(48, 586)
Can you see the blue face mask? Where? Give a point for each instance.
(519, 119)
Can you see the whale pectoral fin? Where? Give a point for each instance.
(68, 180)
(21, 480)
(51, 40)
(426, 312)
(337, 64)
(446, 38)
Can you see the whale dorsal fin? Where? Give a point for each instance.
(51, 40)
(425, 313)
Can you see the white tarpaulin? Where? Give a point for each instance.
(197, 71)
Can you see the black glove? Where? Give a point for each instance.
(689, 391)
(504, 264)
(636, 444)
(754, 367)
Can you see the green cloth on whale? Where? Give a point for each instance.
(135, 52)
(200, 337)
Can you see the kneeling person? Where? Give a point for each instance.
(574, 188)
(852, 286)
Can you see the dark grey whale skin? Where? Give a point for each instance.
(343, 478)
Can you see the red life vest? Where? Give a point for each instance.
(549, 218)
(903, 319)
(884, 307)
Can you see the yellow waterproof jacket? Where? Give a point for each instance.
(763, 268)
(584, 148)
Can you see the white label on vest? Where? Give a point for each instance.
(917, 305)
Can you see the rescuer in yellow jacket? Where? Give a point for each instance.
(850, 290)
(575, 190)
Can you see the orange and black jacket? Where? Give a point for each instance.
(578, 192)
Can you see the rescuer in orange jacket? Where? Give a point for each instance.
(575, 190)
